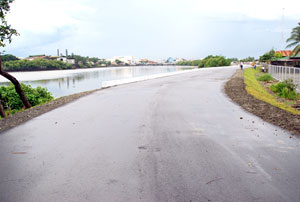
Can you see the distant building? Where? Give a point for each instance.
(143, 61)
(125, 59)
(66, 60)
(284, 53)
(179, 60)
(171, 60)
(59, 58)
(33, 57)
(287, 59)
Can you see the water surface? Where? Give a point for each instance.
(66, 82)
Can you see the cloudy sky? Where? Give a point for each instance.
(153, 29)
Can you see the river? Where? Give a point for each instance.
(66, 82)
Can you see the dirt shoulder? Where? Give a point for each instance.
(235, 89)
(23, 116)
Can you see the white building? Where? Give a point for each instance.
(125, 59)
(66, 60)
(179, 60)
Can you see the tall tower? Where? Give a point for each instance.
(282, 30)
(58, 52)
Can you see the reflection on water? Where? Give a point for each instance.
(81, 81)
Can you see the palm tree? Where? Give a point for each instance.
(295, 40)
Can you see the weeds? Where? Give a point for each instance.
(285, 89)
(265, 77)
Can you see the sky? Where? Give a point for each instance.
(152, 29)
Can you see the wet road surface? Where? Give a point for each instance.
(177, 138)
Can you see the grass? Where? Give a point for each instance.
(254, 88)
(265, 77)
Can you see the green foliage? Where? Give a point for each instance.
(294, 40)
(8, 57)
(234, 59)
(209, 61)
(215, 61)
(86, 62)
(267, 56)
(12, 102)
(118, 61)
(37, 64)
(94, 59)
(254, 88)
(278, 55)
(248, 59)
(6, 31)
(285, 89)
(80, 59)
(265, 77)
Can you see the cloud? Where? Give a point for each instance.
(150, 28)
(47, 15)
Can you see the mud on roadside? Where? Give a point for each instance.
(235, 89)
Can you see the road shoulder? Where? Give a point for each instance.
(235, 89)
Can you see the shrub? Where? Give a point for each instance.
(12, 102)
(285, 89)
(265, 77)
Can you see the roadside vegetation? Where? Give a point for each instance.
(34, 65)
(12, 103)
(285, 89)
(284, 96)
(209, 61)
(265, 77)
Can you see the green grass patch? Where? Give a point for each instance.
(254, 88)
(265, 77)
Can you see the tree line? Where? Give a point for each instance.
(12, 63)
(209, 61)
(33, 65)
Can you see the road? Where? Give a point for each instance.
(177, 138)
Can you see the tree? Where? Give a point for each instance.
(295, 40)
(94, 60)
(267, 56)
(248, 59)
(6, 33)
(278, 55)
(118, 61)
(9, 57)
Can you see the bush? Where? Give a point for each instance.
(285, 89)
(12, 102)
(265, 77)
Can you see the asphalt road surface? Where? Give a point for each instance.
(178, 138)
